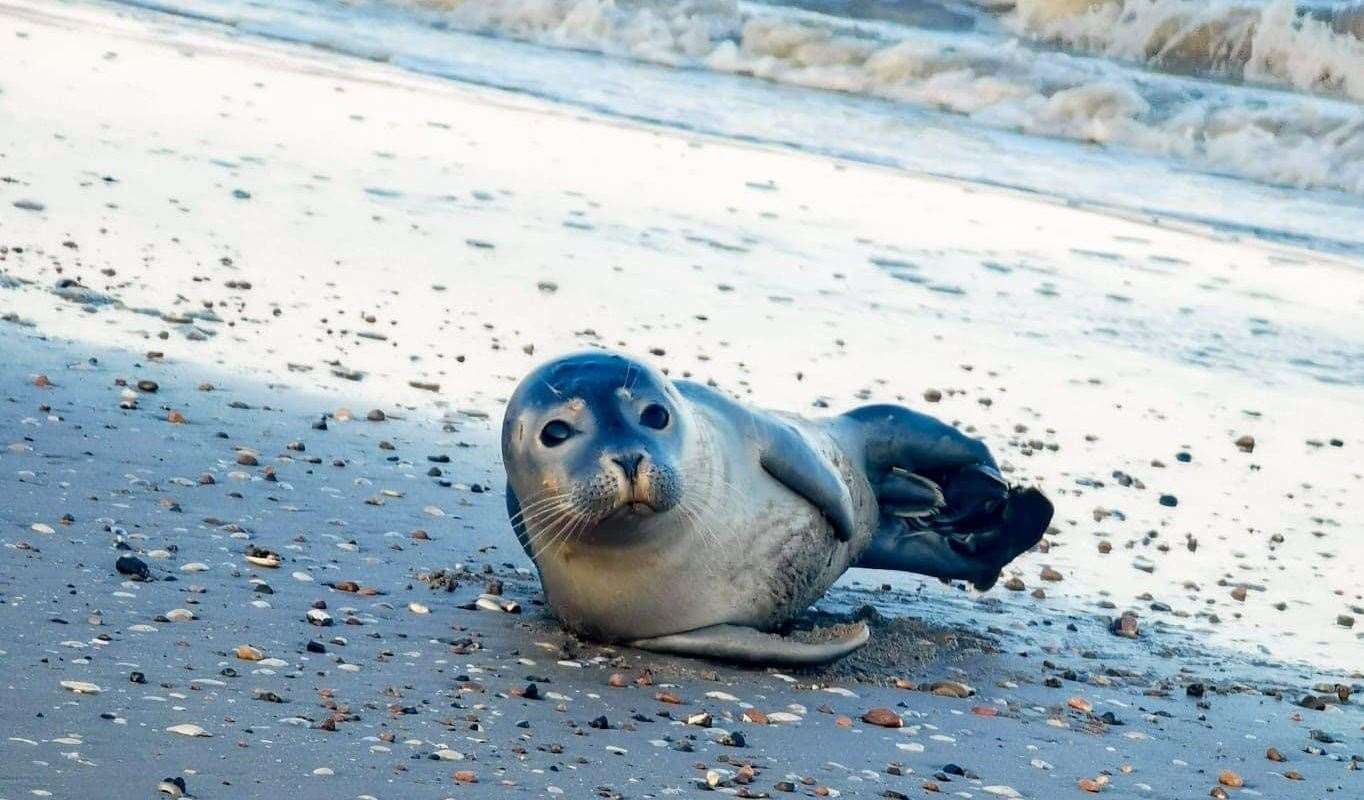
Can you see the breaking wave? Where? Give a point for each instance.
(1283, 138)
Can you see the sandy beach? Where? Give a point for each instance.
(260, 295)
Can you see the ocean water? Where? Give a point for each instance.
(1246, 116)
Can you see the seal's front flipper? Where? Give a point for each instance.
(737, 644)
(976, 554)
(790, 458)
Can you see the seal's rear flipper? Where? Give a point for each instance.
(737, 644)
(976, 554)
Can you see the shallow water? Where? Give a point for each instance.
(986, 102)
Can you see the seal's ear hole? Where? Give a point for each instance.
(654, 416)
(555, 433)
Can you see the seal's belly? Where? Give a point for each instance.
(754, 559)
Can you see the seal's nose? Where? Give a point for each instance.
(629, 464)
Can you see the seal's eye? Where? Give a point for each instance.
(555, 433)
(654, 416)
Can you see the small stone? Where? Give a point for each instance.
(133, 567)
(1080, 704)
(1049, 574)
(883, 717)
(176, 418)
(1273, 754)
(1246, 443)
(1125, 626)
(754, 716)
(466, 776)
(668, 697)
(188, 729)
(81, 687)
(376, 415)
(1345, 621)
(1015, 584)
(1169, 500)
(951, 689)
(1229, 778)
(616, 681)
(932, 395)
(318, 617)
(1090, 785)
(248, 653)
(701, 720)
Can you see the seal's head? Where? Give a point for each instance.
(594, 437)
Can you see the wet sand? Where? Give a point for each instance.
(280, 238)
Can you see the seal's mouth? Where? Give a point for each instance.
(633, 508)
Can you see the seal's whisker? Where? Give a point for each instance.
(549, 518)
(559, 523)
(572, 519)
(541, 514)
(538, 505)
(530, 510)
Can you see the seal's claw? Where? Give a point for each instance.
(737, 644)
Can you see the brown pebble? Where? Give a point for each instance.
(1015, 584)
(376, 415)
(42, 382)
(1229, 778)
(1080, 704)
(1089, 785)
(616, 680)
(1246, 443)
(466, 776)
(1049, 574)
(247, 459)
(932, 395)
(668, 697)
(175, 418)
(883, 717)
(755, 716)
(1273, 754)
(843, 722)
(1239, 593)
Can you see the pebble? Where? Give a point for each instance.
(81, 687)
(188, 729)
(883, 717)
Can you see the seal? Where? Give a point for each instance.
(665, 515)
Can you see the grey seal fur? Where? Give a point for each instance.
(668, 516)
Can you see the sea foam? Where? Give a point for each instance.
(1297, 140)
